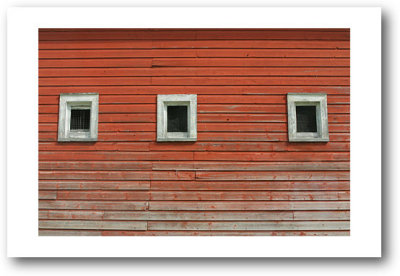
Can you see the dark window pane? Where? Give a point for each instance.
(80, 119)
(177, 119)
(306, 119)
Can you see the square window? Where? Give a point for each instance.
(78, 117)
(307, 117)
(176, 118)
(306, 120)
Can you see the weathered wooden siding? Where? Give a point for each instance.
(241, 177)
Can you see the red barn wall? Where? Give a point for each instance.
(241, 177)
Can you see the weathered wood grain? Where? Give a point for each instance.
(272, 226)
(63, 232)
(91, 156)
(199, 90)
(195, 53)
(248, 205)
(195, 216)
(191, 233)
(47, 194)
(115, 175)
(194, 34)
(252, 196)
(199, 146)
(92, 205)
(183, 44)
(103, 195)
(202, 99)
(200, 196)
(290, 175)
(75, 81)
(193, 62)
(193, 185)
(96, 166)
(251, 62)
(249, 185)
(71, 214)
(98, 225)
(93, 185)
(197, 71)
(201, 137)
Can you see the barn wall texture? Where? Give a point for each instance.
(241, 177)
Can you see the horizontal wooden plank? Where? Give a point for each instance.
(199, 146)
(251, 196)
(104, 195)
(75, 81)
(272, 156)
(262, 137)
(189, 44)
(93, 185)
(229, 62)
(96, 166)
(246, 205)
(201, 99)
(196, 53)
(197, 71)
(99, 146)
(48, 232)
(198, 156)
(196, 34)
(249, 185)
(108, 136)
(292, 175)
(215, 215)
(116, 175)
(73, 214)
(201, 127)
(201, 137)
(193, 166)
(98, 62)
(92, 205)
(227, 233)
(201, 196)
(192, 62)
(251, 146)
(192, 185)
(199, 90)
(280, 225)
(248, 166)
(47, 194)
(194, 216)
(98, 225)
(92, 156)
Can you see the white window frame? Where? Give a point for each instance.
(319, 100)
(163, 101)
(77, 101)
